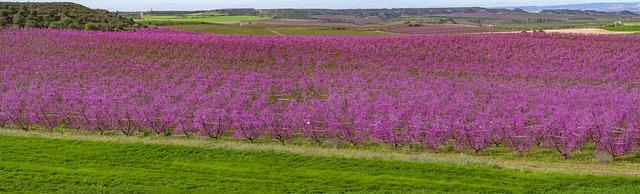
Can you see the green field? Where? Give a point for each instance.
(54, 163)
(200, 18)
(273, 30)
(328, 31)
(224, 29)
(504, 24)
(624, 28)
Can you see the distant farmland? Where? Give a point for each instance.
(442, 100)
(232, 29)
(201, 19)
(445, 29)
(466, 92)
(624, 28)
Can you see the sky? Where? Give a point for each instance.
(137, 5)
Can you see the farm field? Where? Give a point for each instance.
(320, 23)
(506, 22)
(328, 31)
(624, 28)
(202, 19)
(349, 97)
(351, 90)
(274, 30)
(587, 31)
(454, 23)
(399, 113)
(223, 29)
(63, 165)
(447, 29)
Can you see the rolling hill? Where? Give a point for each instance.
(61, 15)
(607, 7)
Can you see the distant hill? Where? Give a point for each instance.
(354, 16)
(383, 14)
(61, 15)
(589, 13)
(363, 17)
(606, 7)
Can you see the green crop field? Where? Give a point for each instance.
(273, 30)
(224, 29)
(93, 164)
(624, 28)
(201, 18)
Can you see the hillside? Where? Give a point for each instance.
(590, 13)
(377, 17)
(60, 15)
(383, 14)
(607, 7)
(356, 16)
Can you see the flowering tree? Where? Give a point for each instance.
(468, 91)
(315, 120)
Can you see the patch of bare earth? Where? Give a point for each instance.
(443, 29)
(586, 31)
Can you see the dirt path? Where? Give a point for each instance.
(587, 31)
(276, 32)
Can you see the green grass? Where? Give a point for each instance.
(625, 28)
(45, 165)
(224, 29)
(201, 18)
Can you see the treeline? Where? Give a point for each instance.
(61, 16)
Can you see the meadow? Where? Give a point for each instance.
(63, 165)
(624, 28)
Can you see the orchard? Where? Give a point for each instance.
(470, 92)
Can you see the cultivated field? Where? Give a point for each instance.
(222, 29)
(470, 92)
(160, 110)
(317, 22)
(446, 29)
(275, 30)
(624, 28)
(591, 31)
(200, 18)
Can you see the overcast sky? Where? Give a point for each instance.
(133, 5)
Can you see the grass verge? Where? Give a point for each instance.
(537, 160)
(71, 163)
